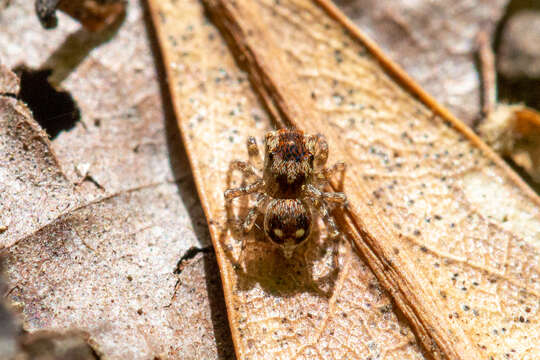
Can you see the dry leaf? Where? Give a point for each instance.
(100, 237)
(449, 230)
(519, 50)
(9, 328)
(278, 308)
(454, 239)
(434, 41)
(29, 171)
(46, 345)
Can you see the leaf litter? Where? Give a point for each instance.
(98, 218)
(434, 42)
(276, 289)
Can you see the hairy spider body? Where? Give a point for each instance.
(287, 223)
(289, 188)
(288, 164)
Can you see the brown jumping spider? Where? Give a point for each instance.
(289, 188)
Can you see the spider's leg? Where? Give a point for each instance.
(249, 221)
(253, 152)
(333, 231)
(339, 167)
(320, 201)
(244, 190)
(254, 211)
(248, 172)
(338, 198)
(334, 235)
(317, 198)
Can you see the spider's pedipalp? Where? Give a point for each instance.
(339, 167)
(319, 146)
(253, 153)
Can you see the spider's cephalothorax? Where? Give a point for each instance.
(290, 186)
(288, 164)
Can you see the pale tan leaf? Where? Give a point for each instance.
(418, 188)
(445, 225)
(277, 308)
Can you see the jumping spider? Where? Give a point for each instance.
(289, 189)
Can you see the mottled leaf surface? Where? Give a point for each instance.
(102, 222)
(435, 42)
(447, 228)
(277, 308)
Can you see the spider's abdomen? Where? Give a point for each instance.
(287, 221)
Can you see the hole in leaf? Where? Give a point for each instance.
(55, 110)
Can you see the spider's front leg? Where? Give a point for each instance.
(244, 190)
(339, 167)
(248, 170)
(325, 174)
(319, 147)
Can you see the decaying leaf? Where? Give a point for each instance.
(518, 54)
(29, 171)
(511, 130)
(519, 50)
(447, 228)
(434, 42)
(45, 345)
(103, 221)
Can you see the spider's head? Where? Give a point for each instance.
(287, 223)
(288, 163)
